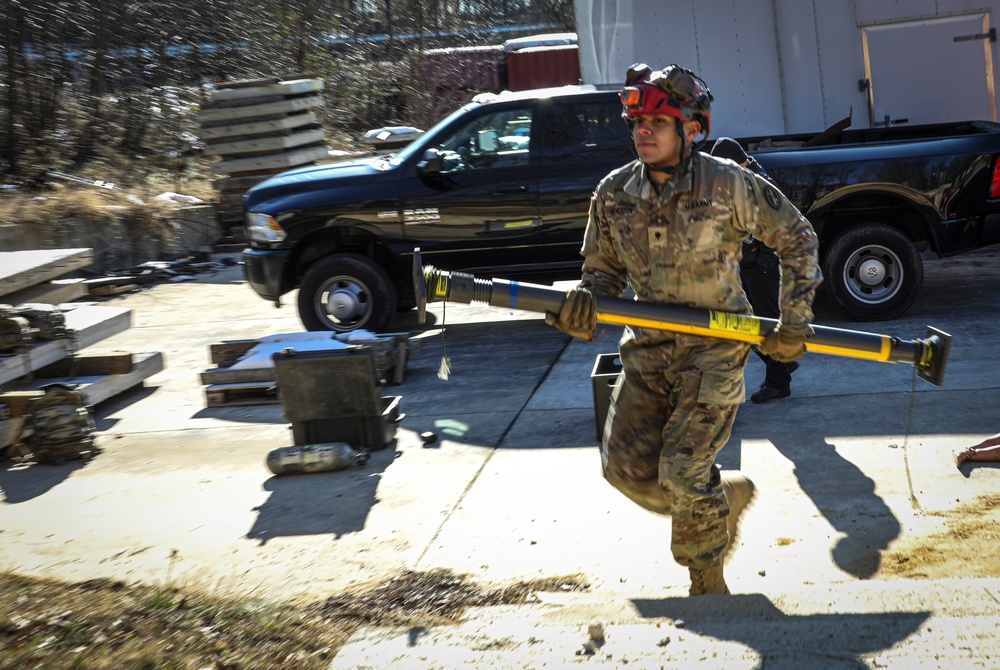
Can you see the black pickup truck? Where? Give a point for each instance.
(878, 198)
(501, 187)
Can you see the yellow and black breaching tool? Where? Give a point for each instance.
(929, 355)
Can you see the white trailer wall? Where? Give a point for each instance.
(794, 66)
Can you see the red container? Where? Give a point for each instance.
(540, 67)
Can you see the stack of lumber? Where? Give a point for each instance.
(260, 128)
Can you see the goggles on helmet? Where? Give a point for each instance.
(673, 91)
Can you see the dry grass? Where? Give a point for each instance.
(105, 625)
(123, 227)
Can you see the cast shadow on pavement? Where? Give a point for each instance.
(335, 503)
(842, 493)
(846, 497)
(20, 483)
(834, 640)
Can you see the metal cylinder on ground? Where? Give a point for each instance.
(325, 457)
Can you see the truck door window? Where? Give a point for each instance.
(588, 131)
(498, 139)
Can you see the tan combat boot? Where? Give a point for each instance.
(740, 492)
(708, 582)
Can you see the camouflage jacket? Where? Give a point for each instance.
(683, 246)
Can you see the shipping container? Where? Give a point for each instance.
(541, 67)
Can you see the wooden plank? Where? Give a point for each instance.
(111, 364)
(21, 269)
(235, 395)
(18, 402)
(10, 430)
(89, 323)
(112, 289)
(238, 376)
(224, 354)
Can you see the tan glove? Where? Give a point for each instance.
(785, 343)
(577, 316)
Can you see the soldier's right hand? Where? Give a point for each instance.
(577, 316)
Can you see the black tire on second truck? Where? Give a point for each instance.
(345, 292)
(873, 272)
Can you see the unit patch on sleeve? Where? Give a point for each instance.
(772, 196)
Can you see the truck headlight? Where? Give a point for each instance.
(263, 228)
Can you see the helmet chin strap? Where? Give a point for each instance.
(682, 164)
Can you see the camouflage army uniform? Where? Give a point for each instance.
(676, 406)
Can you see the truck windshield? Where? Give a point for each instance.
(418, 145)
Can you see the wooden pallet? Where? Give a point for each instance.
(241, 394)
(390, 361)
(229, 387)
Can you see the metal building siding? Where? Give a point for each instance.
(777, 66)
(543, 66)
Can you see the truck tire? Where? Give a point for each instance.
(345, 292)
(873, 272)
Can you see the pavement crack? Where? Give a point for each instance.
(914, 503)
(496, 447)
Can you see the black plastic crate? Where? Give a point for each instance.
(606, 375)
(333, 396)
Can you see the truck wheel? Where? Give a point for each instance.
(346, 292)
(873, 272)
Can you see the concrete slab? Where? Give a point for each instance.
(265, 144)
(852, 626)
(287, 87)
(246, 112)
(271, 126)
(285, 160)
(22, 269)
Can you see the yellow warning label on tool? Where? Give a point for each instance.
(733, 323)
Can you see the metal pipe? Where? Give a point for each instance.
(929, 354)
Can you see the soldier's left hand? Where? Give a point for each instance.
(785, 343)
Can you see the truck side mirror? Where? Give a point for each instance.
(430, 163)
(487, 141)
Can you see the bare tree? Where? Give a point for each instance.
(83, 79)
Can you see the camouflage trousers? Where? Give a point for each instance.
(663, 431)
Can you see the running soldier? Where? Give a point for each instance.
(671, 225)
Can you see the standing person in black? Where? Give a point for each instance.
(760, 273)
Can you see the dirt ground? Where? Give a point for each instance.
(968, 547)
